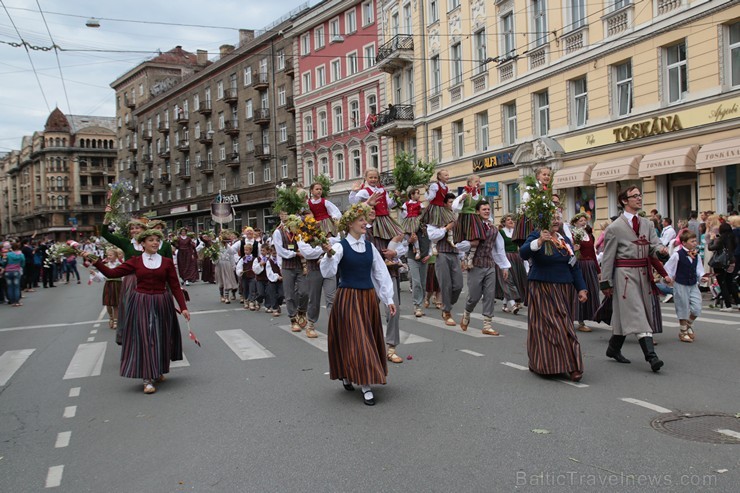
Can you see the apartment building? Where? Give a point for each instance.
(607, 94)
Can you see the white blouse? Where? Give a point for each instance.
(152, 261)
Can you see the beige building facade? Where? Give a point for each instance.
(608, 94)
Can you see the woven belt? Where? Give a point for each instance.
(634, 263)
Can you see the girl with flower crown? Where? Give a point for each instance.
(384, 226)
(583, 245)
(437, 214)
(524, 226)
(469, 226)
(324, 211)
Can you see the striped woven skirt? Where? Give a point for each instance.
(432, 283)
(152, 338)
(112, 292)
(522, 229)
(587, 310)
(515, 288)
(355, 338)
(328, 226)
(657, 316)
(128, 287)
(552, 345)
(437, 216)
(386, 227)
(411, 225)
(469, 227)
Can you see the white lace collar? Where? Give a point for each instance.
(151, 261)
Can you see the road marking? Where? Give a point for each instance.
(63, 439)
(409, 338)
(472, 353)
(11, 361)
(87, 361)
(502, 321)
(514, 365)
(70, 412)
(321, 342)
(96, 325)
(54, 476)
(243, 345)
(48, 326)
(74, 392)
(180, 364)
(707, 320)
(207, 312)
(572, 384)
(729, 433)
(657, 409)
(94, 331)
(90, 339)
(441, 325)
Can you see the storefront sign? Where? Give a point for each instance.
(494, 161)
(491, 189)
(227, 199)
(656, 126)
(179, 210)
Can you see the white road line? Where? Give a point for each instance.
(11, 361)
(729, 433)
(514, 365)
(87, 361)
(409, 338)
(180, 364)
(63, 439)
(705, 319)
(518, 324)
(321, 342)
(70, 412)
(472, 353)
(572, 384)
(207, 312)
(103, 313)
(74, 392)
(243, 345)
(441, 325)
(657, 409)
(96, 325)
(48, 326)
(54, 476)
(94, 331)
(90, 339)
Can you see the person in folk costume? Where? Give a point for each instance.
(158, 224)
(275, 296)
(249, 248)
(411, 211)
(390, 251)
(524, 227)
(447, 268)
(589, 269)
(625, 276)
(686, 269)
(225, 276)
(418, 258)
(554, 280)
(432, 292)
(513, 289)
(208, 269)
(295, 287)
(384, 225)
(355, 336)
(482, 274)
(187, 258)
(469, 226)
(152, 338)
(324, 211)
(316, 283)
(438, 213)
(261, 281)
(112, 287)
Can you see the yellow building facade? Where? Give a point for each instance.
(606, 94)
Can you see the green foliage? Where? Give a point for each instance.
(410, 172)
(290, 199)
(325, 184)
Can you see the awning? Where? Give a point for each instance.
(678, 160)
(719, 153)
(624, 168)
(574, 176)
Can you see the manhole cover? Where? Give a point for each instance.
(700, 427)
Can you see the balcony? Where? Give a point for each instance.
(133, 168)
(184, 173)
(395, 121)
(232, 160)
(147, 159)
(231, 96)
(205, 108)
(183, 118)
(206, 167)
(289, 68)
(231, 127)
(164, 127)
(261, 81)
(290, 104)
(396, 53)
(205, 138)
(262, 116)
(575, 40)
(387, 179)
(132, 147)
(291, 143)
(183, 146)
(148, 183)
(146, 134)
(262, 151)
(131, 125)
(129, 102)
(93, 188)
(164, 153)
(165, 178)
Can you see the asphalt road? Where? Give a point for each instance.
(462, 414)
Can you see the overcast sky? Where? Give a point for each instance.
(87, 74)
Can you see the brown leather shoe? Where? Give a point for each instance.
(465, 322)
(310, 332)
(294, 327)
(584, 328)
(447, 317)
(392, 356)
(490, 332)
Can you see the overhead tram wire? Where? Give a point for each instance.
(41, 88)
(59, 64)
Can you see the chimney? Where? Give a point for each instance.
(225, 50)
(202, 57)
(245, 36)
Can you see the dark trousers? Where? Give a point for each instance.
(261, 288)
(728, 290)
(29, 274)
(274, 295)
(49, 276)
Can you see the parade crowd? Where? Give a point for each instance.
(565, 273)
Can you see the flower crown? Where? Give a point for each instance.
(353, 214)
(149, 232)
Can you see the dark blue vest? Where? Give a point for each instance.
(686, 269)
(355, 268)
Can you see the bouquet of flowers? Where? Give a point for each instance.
(308, 231)
(290, 199)
(410, 172)
(53, 255)
(538, 207)
(118, 197)
(578, 235)
(212, 252)
(73, 248)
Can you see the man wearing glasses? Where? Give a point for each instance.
(626, 277)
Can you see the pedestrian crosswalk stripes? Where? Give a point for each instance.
(87, 360)
(409, 338)
(702, 318)
(441, 325)
(320, 342)
(180, 364)
(243, 345)
(11, 361)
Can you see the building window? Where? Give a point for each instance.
(433, 11)
(623, 88)
(509, 112)
(676, 72)
(324, 165)
(309, 171)
(320, 77)
(220, 89)
(356, 163)
(734, 54)
(397, 87)
(283, 131)
(336, 70)
(266, 173)
(453, 4)
(306, 82)
(368, 13)
(283, 167)
(323, 124)
(334, 33)
(436, 75)
(248, 76)
(339, 160)
(577, 11)
(458, 138)
(437, 144)
(369, 52)
(580, 101)
(350, 21)
(507, 34)
(374, 157)
(410, 85)
(456, 63)
(407, 22)
(222, 152)
(305, 44)
(308, 127)
(539, 21)
(354, 113)
(338, 119)
(542, 113)
(372, 103)
(481, 124)
(352, 66)
(281, 59)
(249, 109)
(512, 197)
(281, 96)
(221, 121)
(479, 49)
(250, 176)
(320, 37)
(222, 182)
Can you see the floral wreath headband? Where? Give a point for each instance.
(575, 218)
(352, 214)
(149, 232)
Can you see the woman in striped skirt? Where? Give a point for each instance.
(514, 289)
(552, 344)
(152, 338)
(384, 225)
(355, 336)
(589, 268)
(432, 289)
(112, 287)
